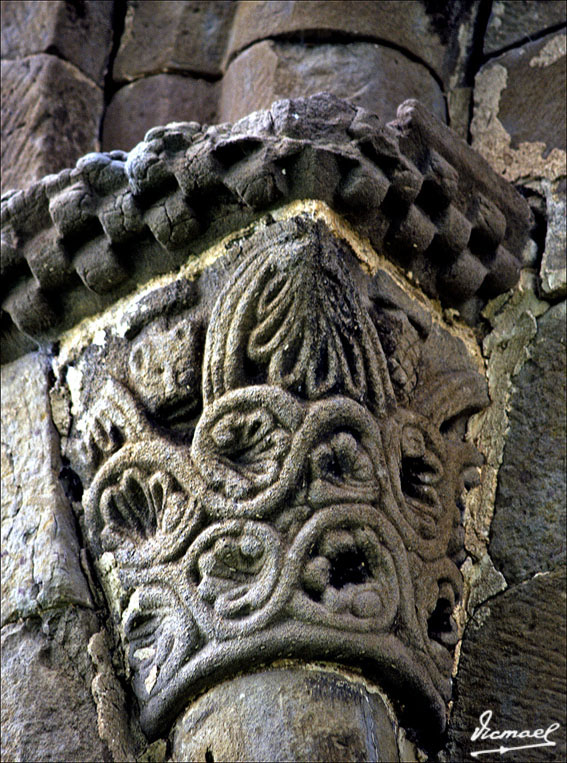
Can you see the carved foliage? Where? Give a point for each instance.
(314, 510)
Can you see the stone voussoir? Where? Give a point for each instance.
(59, 104)
(374, 77)
(403, 25)
(419, 193)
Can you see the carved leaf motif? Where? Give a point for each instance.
(339, 469)
(142, 503)
(151, 513)
(293, 318)
(161, 635)
(349, 561)
(309, 501)
(255, 447)
(115, 419)
(308, 334)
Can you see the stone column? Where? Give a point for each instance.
(304, 712)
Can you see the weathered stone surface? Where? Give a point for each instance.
(254, 522)
(48, 712)
(553, 271)
(519, 114)
(78, 32)
(40, 551)
(422, 136)
(288, 714)
(156, 100)
(513, 321)
(113, 722)
(76, 241)
(528, 530)
(50, 117)
(173, 36)
(512, 22)
(513, 663)
(427, 31)
(372, 76)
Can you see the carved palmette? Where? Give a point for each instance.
(313, 513)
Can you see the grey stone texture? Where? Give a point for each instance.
(48, 712)
(513, 22)
(535, 85)
(77, 32)
(553, 271)
(429, 34)
(513, 663)
(288, 714)
(372, 76)
(192, 37)
(69, 242)
(519, 115)
(50, 117)
(528, 530)
(41, 568)
(156, 100)
(512, 650)
(166, 509)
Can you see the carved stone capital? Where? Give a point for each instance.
(273, 462)
(271, 435)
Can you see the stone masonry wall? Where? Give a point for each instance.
(85, 75)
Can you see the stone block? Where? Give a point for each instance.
(77, 32)
(429, 35)
(372, 76)
(511, 23)
(513, 664)
(553, 271)
(48, 712)
(40, 550)
(519, 114)
(528, 530)
(50, 118)
(157, 100)
(172, 36)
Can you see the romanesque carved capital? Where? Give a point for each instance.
(273, 462)
(271, 436)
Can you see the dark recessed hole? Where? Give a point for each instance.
(431, 199)
(85, 230)
(159, 189)
(349, 567)
(209, 758)
(411, 473)
(483, 245)
(379, 155)
(236, 151)
(322, 363)
(71, 484)
(313, 594)
(440, 620)
(394, 207)
(254, 372)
